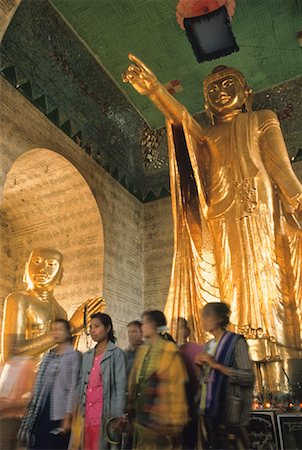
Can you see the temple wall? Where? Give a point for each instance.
(158, 252)
(48, 203)
(74, 206)
(298, 169)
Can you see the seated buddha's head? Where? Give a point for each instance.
(43, 270)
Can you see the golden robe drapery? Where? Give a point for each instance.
(233, 240)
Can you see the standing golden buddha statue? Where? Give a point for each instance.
(236, 205)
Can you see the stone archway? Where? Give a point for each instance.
(48, 203)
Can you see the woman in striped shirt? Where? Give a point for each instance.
(47, 422)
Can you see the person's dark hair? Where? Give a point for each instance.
(107, 322)
(182, 322)
(135, 323)
(67, 327)
(167, 337)
(159, 320)
(155, 316)
(218, 309)
(183, 325)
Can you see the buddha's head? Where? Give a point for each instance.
(43, 270)
(225, 91)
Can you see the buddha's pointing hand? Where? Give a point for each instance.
(140, 76)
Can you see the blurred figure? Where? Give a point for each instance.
(47, 421)
(156, 389)
(103, 384)
(16, 381)
(134, 333)
(227, 383)
(189, 351)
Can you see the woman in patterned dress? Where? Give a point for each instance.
(157, 397)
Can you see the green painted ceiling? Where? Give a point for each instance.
(265, 31)
(42, 57)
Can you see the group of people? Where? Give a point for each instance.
(160, 395)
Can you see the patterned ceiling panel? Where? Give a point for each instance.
(265, 31)
(43, 58)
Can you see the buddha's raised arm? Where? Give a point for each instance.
(146, 83)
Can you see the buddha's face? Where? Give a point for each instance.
(225, 95)
(43, 269)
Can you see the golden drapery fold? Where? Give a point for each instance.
(193, 279)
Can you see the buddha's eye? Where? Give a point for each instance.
(51, 263)
(37, 260)
(213, 88)
(227, 83)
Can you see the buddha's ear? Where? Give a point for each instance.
(60, 276)
(209, 114)
(248, 99)
(24, 273)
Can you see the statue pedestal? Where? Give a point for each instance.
(278, 370)
(294, 367)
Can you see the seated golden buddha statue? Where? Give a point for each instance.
(26, 334)
(236, 206)
(28, 314)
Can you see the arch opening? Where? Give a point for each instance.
(48, 203)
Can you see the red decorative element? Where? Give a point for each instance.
(173, 86)
(195, 8)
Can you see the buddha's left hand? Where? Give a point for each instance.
(90, 307)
